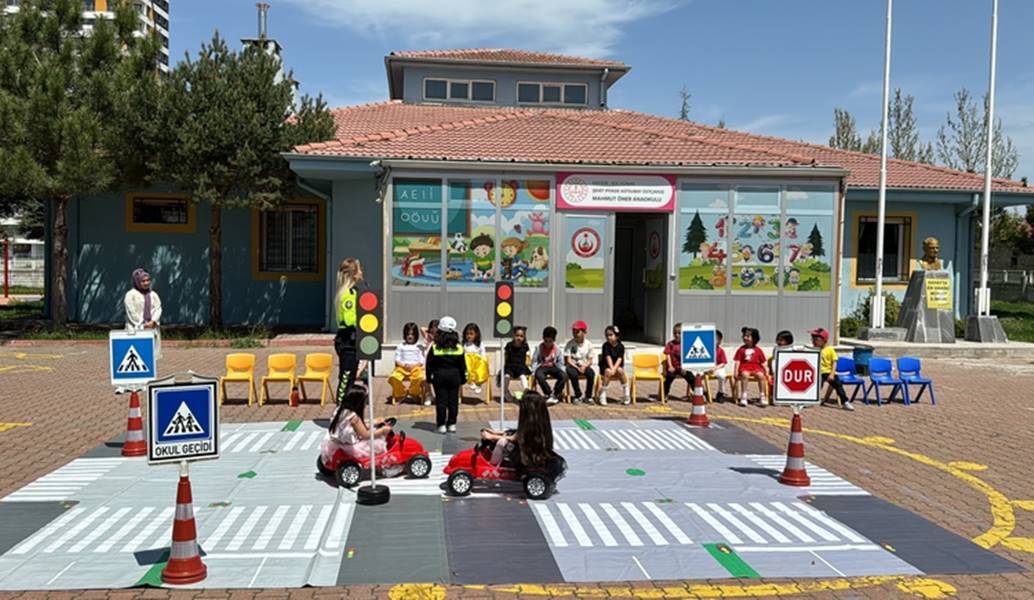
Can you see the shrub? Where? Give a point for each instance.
(700, 283)
(960, 328)
(892, 308)
(849, 327)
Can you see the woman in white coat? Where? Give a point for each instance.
(144, 307)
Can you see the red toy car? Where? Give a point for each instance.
(475, 463)
(401, 452)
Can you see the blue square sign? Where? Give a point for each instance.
(698, 346)
(131, 356)
(183, 421)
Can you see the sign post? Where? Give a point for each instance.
(797, 384)
(183, 426)
(131, 356)
(370, 336)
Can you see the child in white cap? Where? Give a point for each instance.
(446, 370)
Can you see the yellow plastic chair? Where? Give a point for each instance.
(240, 368)
(279, 367)
(317, 368)
(647, 366)
(712, 377)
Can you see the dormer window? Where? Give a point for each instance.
(464, 90)
(552, 93)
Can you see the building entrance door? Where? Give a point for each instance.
(640, 282)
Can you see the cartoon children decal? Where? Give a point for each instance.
(718, 277)
(791, 228)
(513, 266)
(793, 278)
(481, 247)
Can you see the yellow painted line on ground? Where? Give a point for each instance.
(6, 426)
(15, 369)
(25, 355)
(920, 587)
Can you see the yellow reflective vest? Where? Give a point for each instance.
(346, 309)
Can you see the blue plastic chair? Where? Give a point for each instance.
(880, 373)
(909, 368)
(846, 373)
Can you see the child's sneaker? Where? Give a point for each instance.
(476, 388)
(720, 397)
(427, 402)
(848, 405)
(441, 429)
(603, 398)
(551, 401)
(452, 429)
(627, 400)
(743, 401)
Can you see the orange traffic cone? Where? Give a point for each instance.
(134, 444)
(699, 416)
(795, 473)
(184, 564)
(294, 397)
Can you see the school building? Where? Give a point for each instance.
(496, 164)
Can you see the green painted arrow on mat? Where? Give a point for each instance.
(247, 475)
(587, 426)
(153, 576)
(292, 426)
(732, 562)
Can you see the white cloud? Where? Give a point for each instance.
(765, 124)
(581, 27)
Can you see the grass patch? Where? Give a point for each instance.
(1017, 319)
(19, 311)
(585, 279)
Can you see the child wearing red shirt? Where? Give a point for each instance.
(749, 364)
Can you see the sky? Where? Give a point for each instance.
(775, 67)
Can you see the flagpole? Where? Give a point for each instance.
(983, 292)
(876, 312)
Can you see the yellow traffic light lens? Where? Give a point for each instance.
(503, 309)
(369, 323)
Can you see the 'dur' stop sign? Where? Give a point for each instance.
(370, 325)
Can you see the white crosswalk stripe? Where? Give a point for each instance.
(628, 439)
(237, 529)
(777, 525)
(63, 483)
(823, 483)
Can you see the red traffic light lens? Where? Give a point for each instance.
(504, 291)
(368, 301)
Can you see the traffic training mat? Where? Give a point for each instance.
(645, 499)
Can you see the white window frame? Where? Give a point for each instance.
(563, 92)
(902, 263)
(448, 90)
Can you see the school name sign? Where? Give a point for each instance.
(615, 192)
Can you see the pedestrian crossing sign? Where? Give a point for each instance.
(698, 346)
(183, 420)
(131, 355)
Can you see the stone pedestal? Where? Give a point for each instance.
(883, 334)
(926, 313)
(986, 329)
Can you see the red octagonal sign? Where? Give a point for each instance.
(798, 376)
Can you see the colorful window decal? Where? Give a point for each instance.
(524, 232)
(584, 241)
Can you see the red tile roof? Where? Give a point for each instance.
(564, 136)
(508, 55)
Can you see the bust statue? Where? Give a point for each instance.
(931, 260)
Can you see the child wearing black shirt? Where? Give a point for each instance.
(515, 357)
(612, 364)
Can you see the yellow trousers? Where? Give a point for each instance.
(477, 369)
(398, 379)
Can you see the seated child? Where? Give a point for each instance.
(515, 357)
(749, 365)
(348, 430)
(477, 359)
(409, 364)
(673, 363)
(544, 364)
(612, 364)
(827, 365)
(429, 333)
(531, 444)
(578, 362)
(784, 339)
(721, 363)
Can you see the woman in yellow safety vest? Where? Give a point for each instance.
(349, 274)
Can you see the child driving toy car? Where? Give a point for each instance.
(347, 428)
(531, 444)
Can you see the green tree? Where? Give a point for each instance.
(903, 132)
(845, 133)
(684, 108)
(815, 239)
(962, 140)
(229, 116)
(66, 102)
(696, 234)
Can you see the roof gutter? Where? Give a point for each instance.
(731, 170)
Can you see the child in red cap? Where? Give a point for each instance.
(578, 356)
(827, 365)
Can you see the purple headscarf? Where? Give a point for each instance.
(138, 277)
